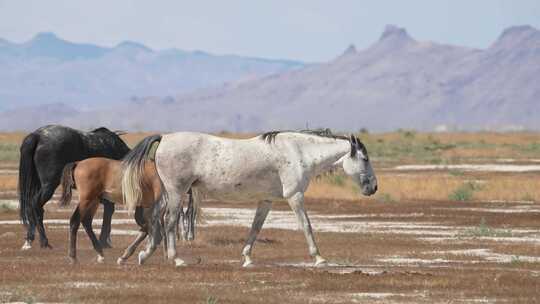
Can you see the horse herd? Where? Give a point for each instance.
(152, 179)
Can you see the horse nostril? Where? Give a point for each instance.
(375, 188)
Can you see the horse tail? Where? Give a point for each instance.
(134, 163)
(68, 183)
(29, 183)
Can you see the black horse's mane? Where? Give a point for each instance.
(106, 130)
(101, 129)
(271, 135)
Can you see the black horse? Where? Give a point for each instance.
(44, 153)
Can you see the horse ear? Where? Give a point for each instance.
(352, 140)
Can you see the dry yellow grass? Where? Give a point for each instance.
(434, 186)
(8, 182)
(518, 138)
(12, 137)
(468, 147)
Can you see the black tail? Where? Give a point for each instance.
(29, 183)
(139, 154)
(68, 183)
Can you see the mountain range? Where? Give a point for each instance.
(48, 69)
(397, 82)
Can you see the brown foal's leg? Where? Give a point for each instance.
(143, 233)
(87, 224)
(74, 223)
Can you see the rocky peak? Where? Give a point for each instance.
(518, 36)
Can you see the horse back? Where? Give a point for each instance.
(98, 177)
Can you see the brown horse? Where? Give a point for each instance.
(97, 178)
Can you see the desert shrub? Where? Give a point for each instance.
(463, 193)
(211, 300)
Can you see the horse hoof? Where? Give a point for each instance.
(73, 261)
(178, 262)
(100, 259)
(46, 246)
(248, 262)
(141, 257)
(121, 261)
(320, 261)
(26, 246)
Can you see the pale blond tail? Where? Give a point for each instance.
(133, 172)
(132, 186)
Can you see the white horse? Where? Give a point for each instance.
(274, 165)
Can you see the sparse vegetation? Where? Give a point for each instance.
(211, 300)
(337, 179)
(7, 207)
(515, 260)
(9, 152)
(527, 197)
(386, 198)
(456, 172)
(483, 230)
(464, 192)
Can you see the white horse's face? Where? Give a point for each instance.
(356, 164)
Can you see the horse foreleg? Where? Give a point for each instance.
(105, 234)
(260, 216)
(296, 202)
(131, 249)
(139, 218)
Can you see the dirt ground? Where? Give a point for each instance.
(401, 252)
(429, 236)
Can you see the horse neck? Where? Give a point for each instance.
(324, 154)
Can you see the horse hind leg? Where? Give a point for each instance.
(105, 234)
(30, 235)
(87, 219)
(260, 216)
(41, 198)
(74, 223)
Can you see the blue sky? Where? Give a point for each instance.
(308, 30)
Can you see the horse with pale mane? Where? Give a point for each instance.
(101, 178)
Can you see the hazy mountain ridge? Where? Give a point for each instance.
(47, 69)
(398, 82)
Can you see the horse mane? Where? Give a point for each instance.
(101, 130)
(270, 137)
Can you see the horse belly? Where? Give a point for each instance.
(260, 186)
(113, 195)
